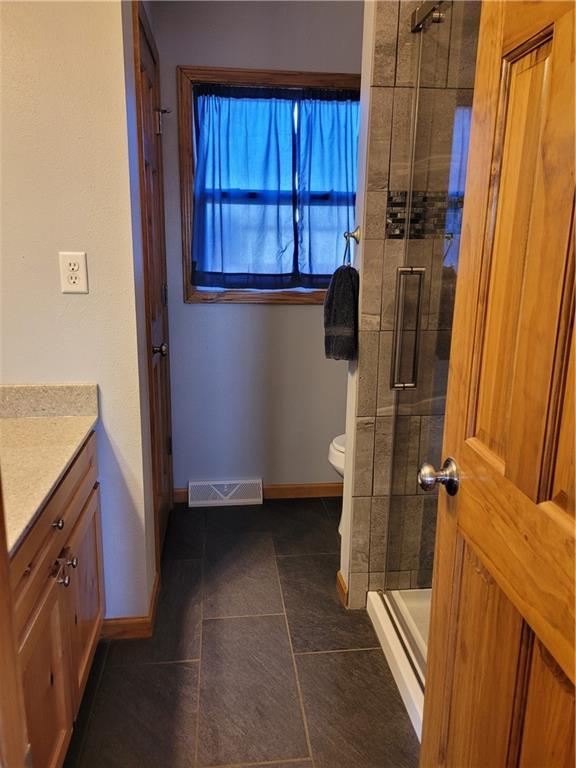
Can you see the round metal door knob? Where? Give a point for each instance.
(448, 476)
(64, 580)
(73, 562)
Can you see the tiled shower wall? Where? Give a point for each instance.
(393, 524)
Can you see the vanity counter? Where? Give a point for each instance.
(42, 429)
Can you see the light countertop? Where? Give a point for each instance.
(42, 428)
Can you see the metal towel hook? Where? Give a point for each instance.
(355, 235)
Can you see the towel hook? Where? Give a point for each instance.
(355, 234)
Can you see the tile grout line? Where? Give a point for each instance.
(338, 650)
(240, 616)
(289, 761)
(295, 668)
(310, 554)
(201, 639)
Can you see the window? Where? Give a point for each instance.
(272, 186)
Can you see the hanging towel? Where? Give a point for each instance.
(341, 315)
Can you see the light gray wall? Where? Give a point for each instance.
(252, 394)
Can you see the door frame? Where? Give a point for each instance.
(139, 17)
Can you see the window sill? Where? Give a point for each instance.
(295, 296)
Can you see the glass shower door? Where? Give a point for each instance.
(441, 102)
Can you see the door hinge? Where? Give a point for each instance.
(159, 112)
(170, 445)
(165, 294)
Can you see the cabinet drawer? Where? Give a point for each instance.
(31, 565)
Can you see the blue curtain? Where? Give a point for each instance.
(327, 170)
(274, 186)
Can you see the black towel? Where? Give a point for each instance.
(341, 315)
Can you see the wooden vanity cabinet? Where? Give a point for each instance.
(44, 654)
(59, 606)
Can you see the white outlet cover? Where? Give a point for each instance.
(73, 271)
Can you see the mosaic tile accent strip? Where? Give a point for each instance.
(431, 213)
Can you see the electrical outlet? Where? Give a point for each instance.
(73, 272)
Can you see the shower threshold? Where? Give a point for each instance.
(401, 619)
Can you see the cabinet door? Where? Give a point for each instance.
(45, 668)
(85, 595)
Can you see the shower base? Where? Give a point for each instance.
(401, 619)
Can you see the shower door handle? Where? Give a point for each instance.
(448, 476)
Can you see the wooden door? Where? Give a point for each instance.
(83, 557)
(152, 206)
(44, 660)
(499, 688)
(13, 735)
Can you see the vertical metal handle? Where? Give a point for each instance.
(397, 381)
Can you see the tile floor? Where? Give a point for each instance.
(253, 661)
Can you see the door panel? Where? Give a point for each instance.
(548, 734)
(85, 596)
(152, 204)
(44, 660)
(503, 592)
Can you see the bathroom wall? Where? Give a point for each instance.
(252, 394)
(393, 524)
(67, 177)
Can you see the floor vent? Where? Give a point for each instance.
(223, 493)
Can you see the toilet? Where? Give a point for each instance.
(337, 453)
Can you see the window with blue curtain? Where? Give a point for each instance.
(274, 185)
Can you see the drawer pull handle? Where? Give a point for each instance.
(73, 562)
(64, 580)
(58, 524)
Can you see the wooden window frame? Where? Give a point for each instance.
(187, 76)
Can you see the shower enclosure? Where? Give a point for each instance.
(427, 219)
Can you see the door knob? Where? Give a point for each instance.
(448, 476)
(162, 349)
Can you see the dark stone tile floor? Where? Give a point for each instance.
(253, 661)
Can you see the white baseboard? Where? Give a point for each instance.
(403, 674)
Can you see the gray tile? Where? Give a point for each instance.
(463, 43)
(371, 284)
(238, 519)
(397, 579)
(412, 509)
(317, 620)
(393, 258)
(431, 433)
(283, 764)
(428, 535)
(383, 442)
(400, 155)
(386, 396)
(367, 372)
(379, 137)
(144, 717)
(177, 629)
(364, 459)
(240, 576)
(249, 709)
(357, 589)
(408, 42)
(360, 543)
(421, 579)
(435, 51)
(303, 526)
(406, 454)
(379, 533)
(185, 533)
(376, 202)
(429, 396)
(386, 32)
(443, 276)
(376, 581)
(436, 111)
(355, 715)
